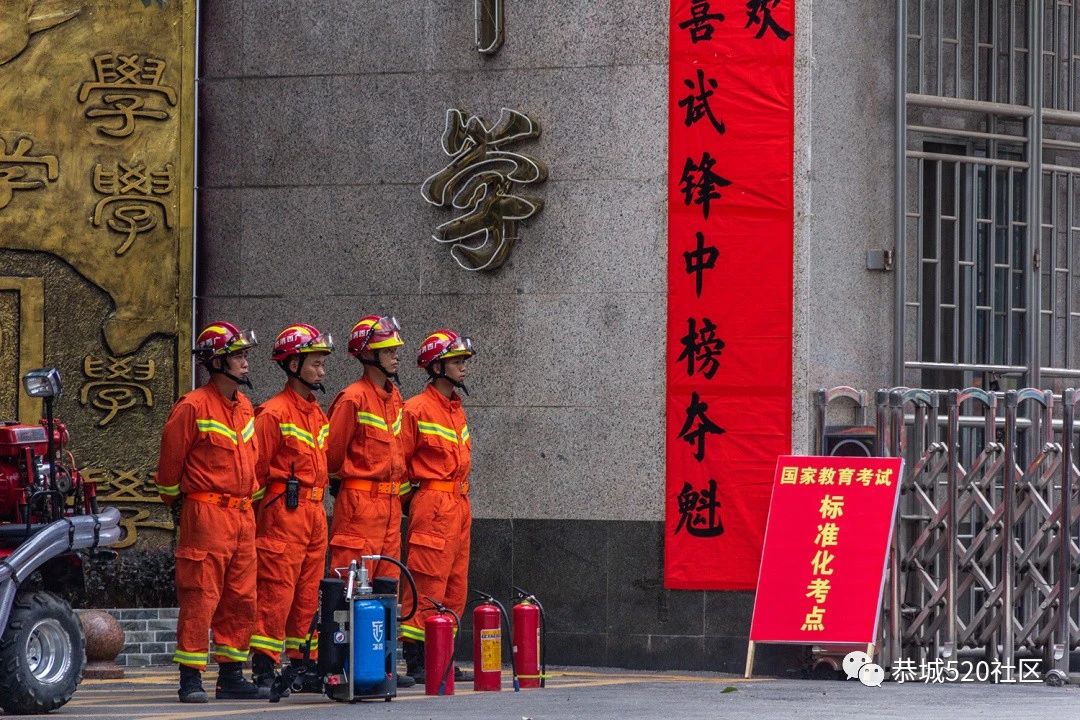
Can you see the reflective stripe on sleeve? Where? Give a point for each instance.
(293, 431)
(430, 428)
(366, 418)
(209, 425)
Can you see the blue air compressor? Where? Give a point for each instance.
(358, 630)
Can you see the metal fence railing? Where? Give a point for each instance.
(987, 542)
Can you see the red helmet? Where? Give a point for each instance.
(443, 345)
(375, 333)
(221, 338)
(301, 338)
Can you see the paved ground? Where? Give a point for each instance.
(580, 693)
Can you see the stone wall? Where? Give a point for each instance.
(319, 121)
(149, 635)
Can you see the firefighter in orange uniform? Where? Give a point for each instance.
(208, 454)
(364, 452)
(438, 454)
(291, 430)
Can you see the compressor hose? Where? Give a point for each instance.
(408, 576)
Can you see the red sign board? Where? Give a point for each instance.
(729, 322)
(826, 544)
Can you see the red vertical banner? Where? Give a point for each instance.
(730, 243)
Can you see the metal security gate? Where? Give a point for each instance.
(987, 265)
(984, 561)
(988, 194)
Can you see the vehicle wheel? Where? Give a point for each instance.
(1056, 678)
(826, 670)
(42, 654)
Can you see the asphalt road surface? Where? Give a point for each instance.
(590, 693)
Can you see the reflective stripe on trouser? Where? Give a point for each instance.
(439, 540)
(230, 653)
(267, 645)
(197, 660)
(215, 584)
(366, 524)
(292, 552)
(296, 644)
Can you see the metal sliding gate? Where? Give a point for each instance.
(984, 560)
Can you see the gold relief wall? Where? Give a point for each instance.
(96, 197)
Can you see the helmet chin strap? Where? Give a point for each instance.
(378, 364)
(222, 371)
(296, 375)
(442, 375)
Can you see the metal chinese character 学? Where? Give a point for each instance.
(126, 83)
(489, 26)
(134, 195)
(121, 486)
(482, 179)
(122, 489)
(118, 384)
(15, 170)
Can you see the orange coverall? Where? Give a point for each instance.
(208, 451)
(291, 431)
(438, 455)
(365, 452)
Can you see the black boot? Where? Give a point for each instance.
(191, 689)
(405, 681)
(231, 684)
(414, 661)
(462, 675)
(307, 676)
(262, 673)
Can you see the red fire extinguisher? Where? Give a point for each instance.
(529, 643)
(488, 619)
(439, 650)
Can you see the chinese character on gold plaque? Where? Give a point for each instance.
(96, 229)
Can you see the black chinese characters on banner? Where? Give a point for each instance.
(701, 183)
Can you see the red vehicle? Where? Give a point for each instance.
(47, 515)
